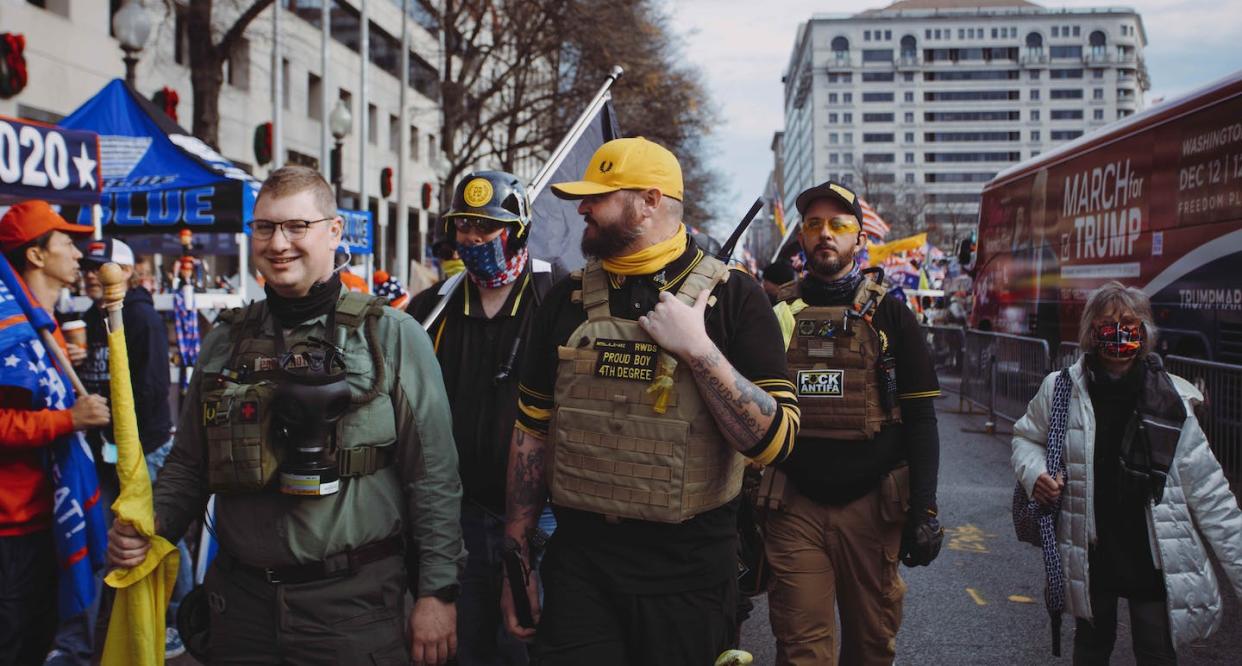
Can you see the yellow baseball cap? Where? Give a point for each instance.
(627, 164)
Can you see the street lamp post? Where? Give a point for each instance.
(132, 26)
(340, 121)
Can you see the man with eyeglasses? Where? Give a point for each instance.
(478, 340)
(858, 493)
(318, 418)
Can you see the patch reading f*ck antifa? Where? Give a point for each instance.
(625, 359)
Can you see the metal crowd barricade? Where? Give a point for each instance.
(977, 360)
(1067, 355)
(1221, 413)
(947, 344)
(1002, 372)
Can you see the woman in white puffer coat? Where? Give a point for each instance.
(1143, 493)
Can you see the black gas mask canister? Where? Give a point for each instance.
(311, 396)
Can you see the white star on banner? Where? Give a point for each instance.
(86, 169)
(11, 361)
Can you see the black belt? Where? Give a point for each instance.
(336, 566)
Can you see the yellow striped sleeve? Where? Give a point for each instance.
(920, 394)
(778, 442)
(534, 411)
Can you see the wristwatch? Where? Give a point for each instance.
(448, 594)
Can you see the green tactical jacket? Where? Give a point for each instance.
(418, 494)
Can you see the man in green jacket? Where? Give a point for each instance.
(319, 420)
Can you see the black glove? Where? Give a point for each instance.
(920, 540)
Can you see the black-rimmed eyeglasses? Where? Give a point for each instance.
(292, 229)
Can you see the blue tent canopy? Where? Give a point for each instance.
(157, 176)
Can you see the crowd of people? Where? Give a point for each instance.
(555, 470)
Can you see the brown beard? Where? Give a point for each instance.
(829, 267)
(610, 241)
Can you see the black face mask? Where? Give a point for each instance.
(321, 298)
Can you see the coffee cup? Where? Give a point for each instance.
(75, 332)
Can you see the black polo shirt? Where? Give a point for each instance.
(474, 352)
(647, 557)
(840, 471)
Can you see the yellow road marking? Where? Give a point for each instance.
(974, 594)
(1021, 599)
(969, 538)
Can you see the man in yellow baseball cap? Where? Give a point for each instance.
(656, 411)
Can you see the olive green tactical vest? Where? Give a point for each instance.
(237, 417)
(613, 453)
(834, 364)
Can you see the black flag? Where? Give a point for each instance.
(556, 227)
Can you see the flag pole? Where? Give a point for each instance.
(402, 221)
(543, 177)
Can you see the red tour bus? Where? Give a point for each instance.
(1153, 201)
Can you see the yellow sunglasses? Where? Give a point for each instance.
(840, 224)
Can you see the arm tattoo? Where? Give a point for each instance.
(729, 402)
(527, 492)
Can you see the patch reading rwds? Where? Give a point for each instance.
(821, 383)
(626, 359)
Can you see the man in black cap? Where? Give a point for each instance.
(863, 472)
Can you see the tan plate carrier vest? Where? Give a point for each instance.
(835, 367)
(612, 452)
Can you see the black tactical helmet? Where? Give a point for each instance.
(492, 195)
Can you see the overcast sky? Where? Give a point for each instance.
(743, 46)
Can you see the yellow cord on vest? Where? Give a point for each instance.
(650, 260)
(662, 385)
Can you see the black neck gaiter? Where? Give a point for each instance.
(321, 298)
(836, 292)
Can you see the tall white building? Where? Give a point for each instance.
(71, 54)
(918, 104)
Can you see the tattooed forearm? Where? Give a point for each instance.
(526, 491)
(742, 411)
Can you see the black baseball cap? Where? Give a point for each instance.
(830, 190)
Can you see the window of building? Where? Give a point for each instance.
(394, 133)
(1033, 74)
(847, 118)
(908, 77)
(909, 178)
(414, 154)
(848, 158)
(1066, 93)
(1065, 73)
(968, 177)
(1000, 156)
(876, 77)
(877, 55)
(961, 33)
(877, 97)
(286, 84)
(909, 117)
(1097, 93)
(1034, 93)
(909, 157)
(972, 75)
(1097, 73)
(181, 31)
(1077, 31)
(314, 89)
(878, 158)
(832, 98)
(1035, 135)
(238, 65)
(866, 35)
(432, 149)
(1097, 114)
(888, 35)
(933, 137)
(372, 125)
(1056, 31)
(927, 34)
(833, 137)
(834, 118)
(1122, 113)
(1065, 135)
(833, 158)
(877, 117)
(969, 116)
(1067, 114)
(970, 95)
(847, 98)
(994, 33)
(840, 77)
(908, 97)
(1034, 114)
(840, 46)
(847, 179)
(1068, 52)
(909, 137)
(877, 137)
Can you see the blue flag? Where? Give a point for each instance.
(78, 522)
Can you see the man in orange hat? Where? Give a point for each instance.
(38, 243)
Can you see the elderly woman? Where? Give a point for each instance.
(1142, 495)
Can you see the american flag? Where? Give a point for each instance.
(872, 223)
(185, 320)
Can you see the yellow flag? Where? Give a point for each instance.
(136, 629)
(878, 253)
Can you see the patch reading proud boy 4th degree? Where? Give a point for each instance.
(821, 383)
(626, 359)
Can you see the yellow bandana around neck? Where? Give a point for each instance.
(650, 260)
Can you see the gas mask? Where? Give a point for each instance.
(311, 396)
(1115, 340)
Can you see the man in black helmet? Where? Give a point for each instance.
(478, 342)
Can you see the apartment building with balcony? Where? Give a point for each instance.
(919, 104)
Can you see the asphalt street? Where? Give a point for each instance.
(981, 601)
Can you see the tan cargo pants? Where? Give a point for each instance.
(844, 556)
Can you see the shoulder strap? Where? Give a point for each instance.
(595, 291)
(354, 307)
(706, 274)
(789, 291)
(869, 290)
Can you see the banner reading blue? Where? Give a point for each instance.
(357, 233)
(40, 161)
